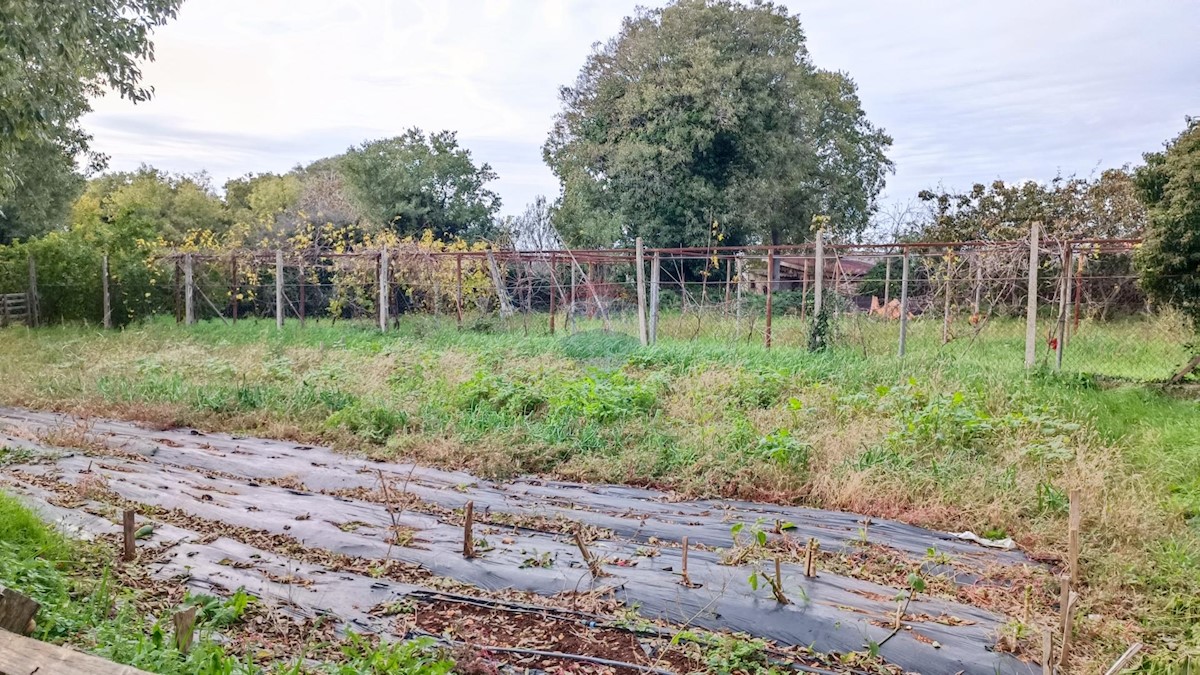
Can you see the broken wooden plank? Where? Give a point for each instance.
(24, 656)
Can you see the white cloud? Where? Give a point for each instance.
(969, 91)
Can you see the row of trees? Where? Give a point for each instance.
(703, 122)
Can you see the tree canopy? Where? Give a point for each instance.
(55, 55)
(711, 112)
(1169, 260)
(417, 182)
(1068, 207)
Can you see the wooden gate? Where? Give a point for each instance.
(14, 309)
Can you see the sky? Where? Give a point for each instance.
(969, 91)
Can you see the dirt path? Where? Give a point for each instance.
(379, 546)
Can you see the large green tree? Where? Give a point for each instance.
(41, 200)
(57, 54)
(707, 118)
(416, 182)
(1169, 259)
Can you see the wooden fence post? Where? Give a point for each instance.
(770, 285)
(279, 297)
(641, 292)
(819, 288)
(655, 275)
(384, 287)
(189, 290)
(1032, 299)
(32, 301)
(107, 300)
(903, 305)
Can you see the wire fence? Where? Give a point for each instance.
(1071, 305)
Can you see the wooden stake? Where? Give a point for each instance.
(686, 580)
(468, 536)
(17, 611)
(777, 587)
(1076, 516)
(1047, 652)
(1031, 300)
(592, 563)
(185, 623)
(128, 532)
(1064, 595)
(810, 558)
(1125, 659)
(1065, 652)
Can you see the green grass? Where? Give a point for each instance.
(956, 436)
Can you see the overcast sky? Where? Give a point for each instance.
(970, 91)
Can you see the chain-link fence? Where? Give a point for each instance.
(1058, 304)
